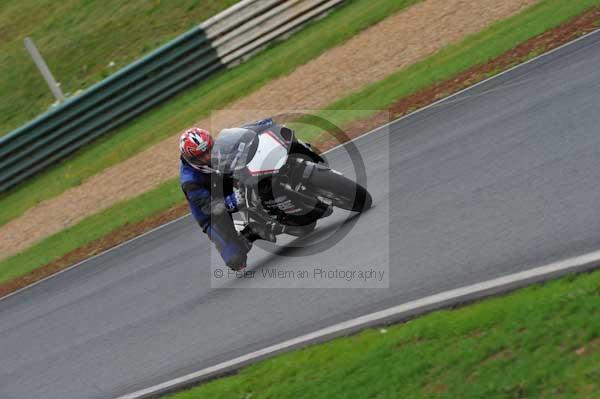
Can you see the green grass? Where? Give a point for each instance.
(540, 342)
(196, 103)
(475, 49)
(79, 39)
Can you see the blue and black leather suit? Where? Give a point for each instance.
(212, 212)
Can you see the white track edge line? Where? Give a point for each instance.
(420, 304)
(433, 104)
(93, 257)
(329, 150)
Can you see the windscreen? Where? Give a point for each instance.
(233, 149)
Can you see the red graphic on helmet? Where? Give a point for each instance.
(195, 145)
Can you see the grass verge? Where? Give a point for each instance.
(83, 42)
(119, 216)
(194, 104)
(540, 342)
(90, 229)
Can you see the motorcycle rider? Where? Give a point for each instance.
(212, 202)
(212, 197)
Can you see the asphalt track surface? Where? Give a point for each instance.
(502, 178)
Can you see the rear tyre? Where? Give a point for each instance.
(338, 189)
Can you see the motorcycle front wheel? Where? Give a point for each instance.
(339, 190)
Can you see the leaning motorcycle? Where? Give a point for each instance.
(284, 184)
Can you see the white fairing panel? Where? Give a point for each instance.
(270, 155)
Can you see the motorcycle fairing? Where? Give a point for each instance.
(270, 156)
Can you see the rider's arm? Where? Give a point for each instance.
(197, 189)
(198, 195)
(201, 197)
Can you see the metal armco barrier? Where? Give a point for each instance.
(219, 42)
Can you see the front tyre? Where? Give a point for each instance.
(341, 191)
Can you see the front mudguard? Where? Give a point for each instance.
(306, 151)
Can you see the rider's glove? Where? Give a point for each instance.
(234, 201)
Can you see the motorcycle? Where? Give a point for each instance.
(284, 184)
